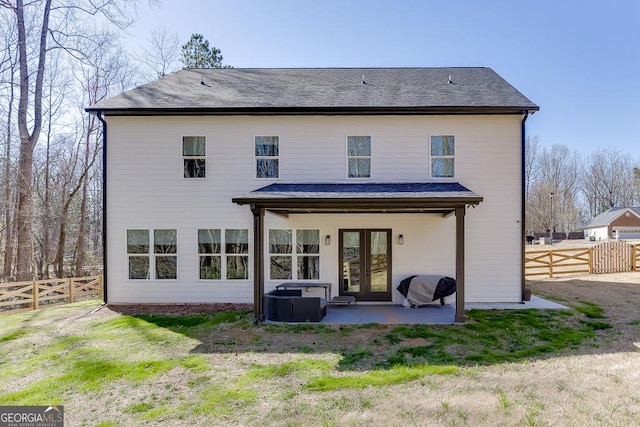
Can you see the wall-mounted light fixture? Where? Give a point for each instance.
(400, 239)
(327, 240)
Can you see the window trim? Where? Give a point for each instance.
(256, 158)
(151, 255)
(452, 157)
(183, 158)
(226, 255)
(349, 157)
(289, 255)
(219, 255)
(294, 254)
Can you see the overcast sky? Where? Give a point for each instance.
(578, 60)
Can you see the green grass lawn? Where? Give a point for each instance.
(116, 370)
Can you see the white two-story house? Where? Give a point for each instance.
(221, 184)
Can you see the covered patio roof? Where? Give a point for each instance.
(361, 197)
(427, 197)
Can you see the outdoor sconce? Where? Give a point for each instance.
(400, 239)
(327, 240)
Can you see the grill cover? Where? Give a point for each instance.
(424, 289)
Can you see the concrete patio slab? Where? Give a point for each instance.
(433, 314)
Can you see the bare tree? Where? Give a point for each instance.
(161, 57)
(609, 180)
(8, 73)
(42, 25)
(551, 199)
(106, 72)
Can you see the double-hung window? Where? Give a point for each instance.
(194, 160)
(159, 264)
(308, 251)
(285, 258)
(228, 258)
(359, 156)
(280, 254)
(442, 156)
(236, 249)
(267, 152)
(209, 252)
(138, 254)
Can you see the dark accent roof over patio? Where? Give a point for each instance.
(322, 91)
(361, 197)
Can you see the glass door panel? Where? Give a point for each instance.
(365, 264)
(351, 265)
(379, 261)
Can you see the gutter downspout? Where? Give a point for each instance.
(523, 204)
(104, 208)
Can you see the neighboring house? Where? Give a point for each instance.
(614, 223)
(223, 183)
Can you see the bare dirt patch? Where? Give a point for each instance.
(177, 309)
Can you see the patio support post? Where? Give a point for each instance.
(460, 314)
(258, 263)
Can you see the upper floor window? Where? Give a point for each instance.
(161, 263)
(267, 152)
(194, 156)
(442, 156)
(359, 156)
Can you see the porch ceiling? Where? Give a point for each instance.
(427, 197)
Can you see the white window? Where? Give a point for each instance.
(159, 264)
(285, 258)
(194, 160)
(267, 152)
(308, 251)
(280, 254)
(442, 156)
(236, 250)
(209, 253)
(359, 156)
(138, 253)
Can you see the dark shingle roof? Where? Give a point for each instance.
(267, 90)
(366, 189)
(431, 191)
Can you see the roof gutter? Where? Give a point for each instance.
(104, 208)
(313, 111)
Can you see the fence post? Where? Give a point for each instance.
(550, 263)
(100, 287)
(590, 260)
(35, 295)
(70, 291)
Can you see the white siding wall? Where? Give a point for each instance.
(146, 190)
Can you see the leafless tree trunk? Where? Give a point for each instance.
(28, 139)
(9, 66)
(58, 262)
(80, 250)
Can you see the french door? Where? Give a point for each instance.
(365, 264)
